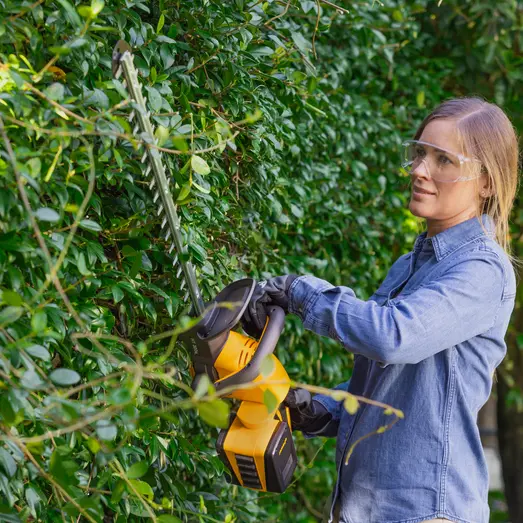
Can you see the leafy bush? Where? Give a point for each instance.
(302, 108)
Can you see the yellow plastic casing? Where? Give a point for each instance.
(236, 353)
(254, 424)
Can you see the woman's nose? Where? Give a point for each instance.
(422, 170)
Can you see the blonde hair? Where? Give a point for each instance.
(486, 133)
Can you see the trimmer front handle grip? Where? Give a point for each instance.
(266, 346)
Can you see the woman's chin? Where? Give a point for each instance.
(419, 209)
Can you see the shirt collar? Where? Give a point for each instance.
(451, 239)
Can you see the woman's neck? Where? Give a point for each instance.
(435, 226)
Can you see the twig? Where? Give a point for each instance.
(41, 242)
(121, 472)
(316, 29)
(283, 13)
(341, 9)
(204, 62)
(74, 227)
(23, 12)
(39, 93)
(47, 477)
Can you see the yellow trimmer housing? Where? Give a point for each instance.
(257, 447)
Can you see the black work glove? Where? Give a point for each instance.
(270, 292)
(307, 414)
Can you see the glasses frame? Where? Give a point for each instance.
(462, 159)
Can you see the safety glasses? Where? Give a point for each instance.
(440, 164)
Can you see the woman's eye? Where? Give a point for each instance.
(419, 152)
(444, 160)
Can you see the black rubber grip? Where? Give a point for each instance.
(265, 347)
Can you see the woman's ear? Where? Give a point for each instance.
(486, 187)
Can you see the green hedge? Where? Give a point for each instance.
(305, 112)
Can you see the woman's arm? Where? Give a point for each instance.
(456, 307)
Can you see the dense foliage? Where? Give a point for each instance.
(301, 107)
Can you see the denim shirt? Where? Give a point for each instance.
(426, 342)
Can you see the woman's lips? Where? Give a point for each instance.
(421, 195)
(424, 192)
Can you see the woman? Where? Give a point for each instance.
(429, 339)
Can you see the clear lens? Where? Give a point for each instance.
(441, 165)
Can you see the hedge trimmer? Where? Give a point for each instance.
(257, 447)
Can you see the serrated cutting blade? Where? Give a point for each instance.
(122, 63)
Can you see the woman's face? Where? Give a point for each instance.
(443, 204)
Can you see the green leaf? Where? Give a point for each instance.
(137, 470)
(33, 500)
(7, 411)
(93, 445)
(64, 377)
(202, 189)
(56, 92)
(97, 6)
(420, 98)
(302, 43)
(120, 396)
(117, 293)
(86, 11)
(199, 165)
(90, 225)
(136, 266)
(215, 413)
(71, 12)
(203, 387)
(82, 265)
(167, 54)
(167, 518)
(10, 314)
(118, 491)
(45, 214)
(338, 395)
(198, 251)
(31, 380)
(262, 51)
(12, 298)
(267, 366)
(161, 134)
(8, 517)
(143, 488)
(154, 99)
(270, 400)
(37, 351)
(184, 192)
(7, 463)
(106, 430)
(351, 404)
(39, 321)
(61, 50)
(63, 467)
(296, 211)
(161, 22)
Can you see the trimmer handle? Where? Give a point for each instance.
(266, 346)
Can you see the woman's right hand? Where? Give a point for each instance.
(307, 414)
